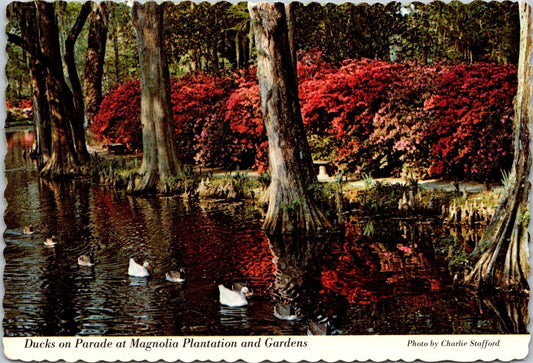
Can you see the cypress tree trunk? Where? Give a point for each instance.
(291, 208)
(41, 115)
(160, 157)
(94, 60)
(503, 250)
(62, 161)
(74, 100)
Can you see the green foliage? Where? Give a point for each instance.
(292, 206)
(264, 179)
(368, 229)
(367, 180)
(452, 250)
(524, 218)
(505, 178)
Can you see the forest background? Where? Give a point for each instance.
(384, 89)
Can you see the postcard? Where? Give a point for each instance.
(216, 181)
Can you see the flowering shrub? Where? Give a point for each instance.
(380, 118)
(119, 117)
(470, 120)
(200, 131)
(365, 115)
(243, 115)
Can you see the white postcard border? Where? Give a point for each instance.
(430, 348)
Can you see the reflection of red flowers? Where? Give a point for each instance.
(27, 139)
(355, 274)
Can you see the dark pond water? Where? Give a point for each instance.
(389, 283)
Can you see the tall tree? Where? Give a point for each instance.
(67, 140)
(291, 207)
(63, 160)
(74, 102)
(95, 59)
(160, 156)
(503, 250)
(41, 117)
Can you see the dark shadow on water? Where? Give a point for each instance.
(511, 310)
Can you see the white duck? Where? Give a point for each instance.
(138, 270)
(237, 287)
(233, 298)
(176, 276)
(86, 260)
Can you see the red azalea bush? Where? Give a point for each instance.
(200, 132)
(382, 118)
(243, 115)
(365, 115)
(119, 117)
(469, 118)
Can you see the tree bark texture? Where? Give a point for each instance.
(160, 156)
(62, 161)
(291, 207)
(503, 250)
(94, 60)
(41, 115)
(74, 102)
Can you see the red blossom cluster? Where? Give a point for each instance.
(365, 115)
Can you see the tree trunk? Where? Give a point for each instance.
(160, 160)
(41, 115)
(503, 250)
(94, 61)
(62, 161)
(74, 102)
(291, 207)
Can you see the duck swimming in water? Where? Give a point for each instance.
(137, 270)
(86, 260)
(233, 298)
(28, 230)
(176, 276)
(50, 241)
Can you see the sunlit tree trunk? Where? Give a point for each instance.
(94, 60)
(291, 208)
(160, 157)
(503, 251)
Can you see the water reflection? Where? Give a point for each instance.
(512, 311)
(389, 281)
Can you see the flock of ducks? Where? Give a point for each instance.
(234, 297)
(237, 296)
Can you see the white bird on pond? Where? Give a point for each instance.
(233, 298)
(237, 287)
(86, 260)
(138, 270)
(176, 276)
